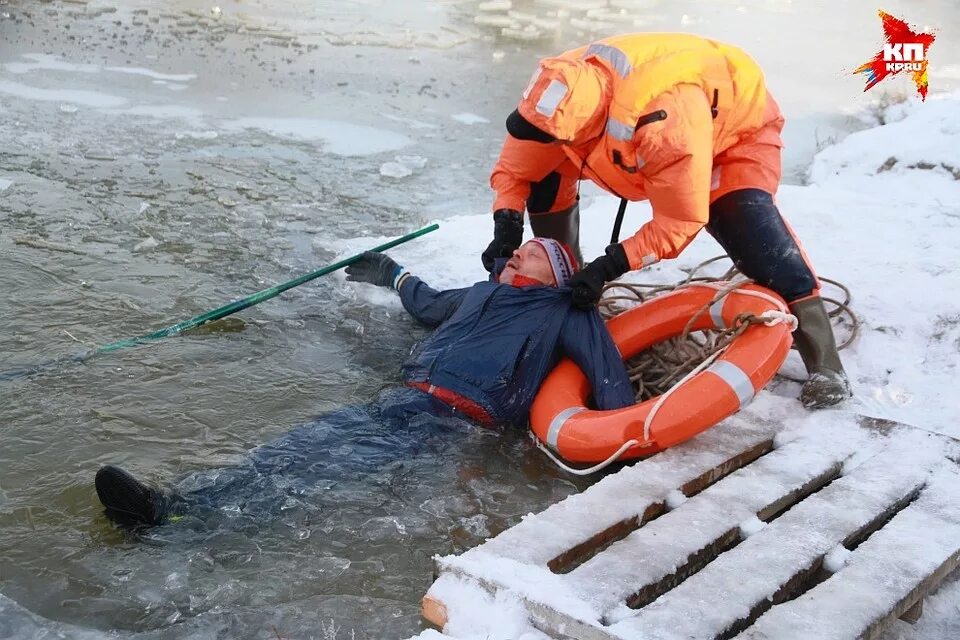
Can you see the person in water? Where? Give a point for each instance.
(492, 346)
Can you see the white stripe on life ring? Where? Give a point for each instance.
(716, 313)
(736, 379)
(553, 433)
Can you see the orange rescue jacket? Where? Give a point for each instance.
(643, 116)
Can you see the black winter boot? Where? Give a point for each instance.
(129, 501)
(560, 225)
(827, 383)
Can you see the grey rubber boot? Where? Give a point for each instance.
(827, 383)
(560, 225)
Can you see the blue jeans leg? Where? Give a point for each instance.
(341, 446)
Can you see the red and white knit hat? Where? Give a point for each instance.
(562, 261)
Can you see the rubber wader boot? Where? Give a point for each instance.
(827, 383)
(560, 225)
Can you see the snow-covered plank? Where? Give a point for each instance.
(535, 551)
(477, 612)
(882, 579)
(732, 591)
(697, 531)
(731, 533)
(688, 467)
(527, 555)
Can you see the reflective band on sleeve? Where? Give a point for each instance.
(617, 59)
(553, 433)
(716, 313)
(551, 98)
(649, 259)
(619, 130)
(735, 377)
(533, 81)
(715, 179)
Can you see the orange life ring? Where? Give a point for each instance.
(560, 419)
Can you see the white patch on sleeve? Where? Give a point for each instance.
(551, 98)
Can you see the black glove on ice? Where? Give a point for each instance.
(507, 236)
(587, 284)
(375, 268)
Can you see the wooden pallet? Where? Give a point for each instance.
(741, 532)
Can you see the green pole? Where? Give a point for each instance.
(219, 312)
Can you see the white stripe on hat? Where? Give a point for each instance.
(560, 261)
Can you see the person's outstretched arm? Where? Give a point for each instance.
(586, 341)
(425, 304)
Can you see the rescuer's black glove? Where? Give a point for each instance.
(507, 236)
(587, 284)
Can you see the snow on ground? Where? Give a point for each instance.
(881, 213)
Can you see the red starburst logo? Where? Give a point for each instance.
(903, 50)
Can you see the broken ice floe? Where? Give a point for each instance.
(402, 166)
(76, 96)
(339, 138)
(146, 245)
(469, 118)
(546, 17)
(46, 62)
(197, 135)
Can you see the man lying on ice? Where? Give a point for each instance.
(492, 347)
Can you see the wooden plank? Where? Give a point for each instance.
(884, 578)
(779, 558)
(576, 566)
(433, 611)
(912, 615)
(647, 483)
(629, 574)
(526, 555)
(579, 554)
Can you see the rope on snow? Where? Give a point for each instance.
(658, 369)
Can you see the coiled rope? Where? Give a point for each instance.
(665, 366)
(655, 371)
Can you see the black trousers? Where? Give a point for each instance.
(748, 225)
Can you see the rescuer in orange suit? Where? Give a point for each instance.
(686, 123)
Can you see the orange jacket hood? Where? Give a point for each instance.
(549, 103)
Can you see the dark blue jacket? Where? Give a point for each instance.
(495, 343)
